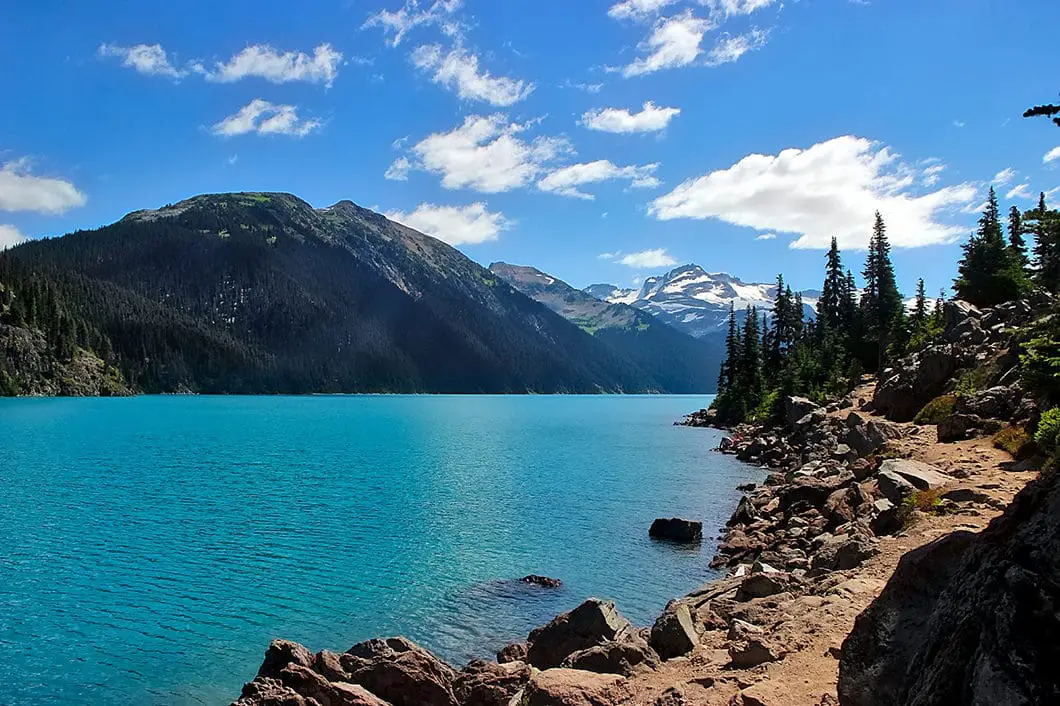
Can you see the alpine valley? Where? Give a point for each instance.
(255, 293)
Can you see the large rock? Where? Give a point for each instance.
(886, 518)
(676, 529)
(921, 475)
(916, 380)
(627, 656)
(967, 619)
(994, 403)
(593, 623)
(956, 313)
(673, 633)
(490, 684)
(744, 514)
(795, 408)
(894, 487)
(401, 672)
(571, 687)
(282, 653)
(842, 553)
(749, 647)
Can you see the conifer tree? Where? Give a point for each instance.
(727, 375)
(881, 301)
(989, 273)
(1016, 243)
(920, 312)
(1045, 224)
(829, 311)
(750, 367)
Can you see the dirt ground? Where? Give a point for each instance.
(811, 628)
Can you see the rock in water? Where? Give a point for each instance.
(673, 634)
(967, 619)
(592, 623)
(543, 581)
(400, 672)
(676, 529)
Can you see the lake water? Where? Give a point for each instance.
(153, 546)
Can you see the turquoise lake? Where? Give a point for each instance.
(153, 546)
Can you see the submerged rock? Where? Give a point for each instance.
(543, 581)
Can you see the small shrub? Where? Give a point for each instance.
(936, 410)
(1048, 434)
(1015, 440)
(926, 500)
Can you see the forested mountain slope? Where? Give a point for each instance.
(261, 293)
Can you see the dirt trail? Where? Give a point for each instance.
(811, 628)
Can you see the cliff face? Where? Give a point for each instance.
(31, 368)
(968, 619)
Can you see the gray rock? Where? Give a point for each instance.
(592, 623)
(673, 633)
(894, 487)
(626, 657)
(886, 518)
(795, 408)
(921, 475)
(676, 529)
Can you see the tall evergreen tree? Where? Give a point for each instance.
(881, 301)
(727, 375)
(989, 273)
(1045, 224)
(750, 369)
(920, 312)
(829, 309)
(1016, 242)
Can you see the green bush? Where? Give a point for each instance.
(1015, 440)
(936, 410)
(1048, 434)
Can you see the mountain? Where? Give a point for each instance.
(677, 361)
(262, 293)
(695, 301)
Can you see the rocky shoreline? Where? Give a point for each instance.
(851, 488)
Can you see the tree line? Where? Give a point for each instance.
(768, 358)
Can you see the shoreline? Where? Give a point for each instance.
(769, 632)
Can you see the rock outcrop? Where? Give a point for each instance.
(968, 619)
(591, 624)
(676, 529)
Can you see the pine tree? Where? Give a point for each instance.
(989, 273)
(1045, 224)
(920, 312)
(750, 372)
(1017, 245)
(881, 301)
(727, 376)
(829, 310)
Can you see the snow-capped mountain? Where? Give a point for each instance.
(697, 301)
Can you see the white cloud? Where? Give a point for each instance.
(410, 16)
(932, 173)
(399, 170)
(22, 191)
(10, 236)
(730, 8)
(650, 119)
(637, 9)
(959, 123)
(1004, 176)
(566, 181)
(674, 42)
(459, 71)
(265, 118)
(831, 188)
(263, 61)
(1051, 194)
(767, 236)
(1052, 155)
(730, 49)
(592, 88)
(1020, 191)
(147, 59)
(487, 154)
(609, 255)
(454, 225)
(646, 259)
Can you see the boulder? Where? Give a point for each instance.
(571, 687)
(795, 408)
(626, 657)
(592, 623)
(967, 619)
(676, 529)
(282, 653)
(921, 475)
(840, 506)
(401, 672)
(744, 514)
(993, 403)
(886, 518)
(749, 647)
(489, 684)
(916, 380)
(543, 581)
(843, 552)
(957, 312)
(512, 652)
(673, 633)
(958, 427)
(762, 585)
(894, 487)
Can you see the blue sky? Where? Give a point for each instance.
(600, 141)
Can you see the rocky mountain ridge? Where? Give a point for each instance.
(695, 301)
